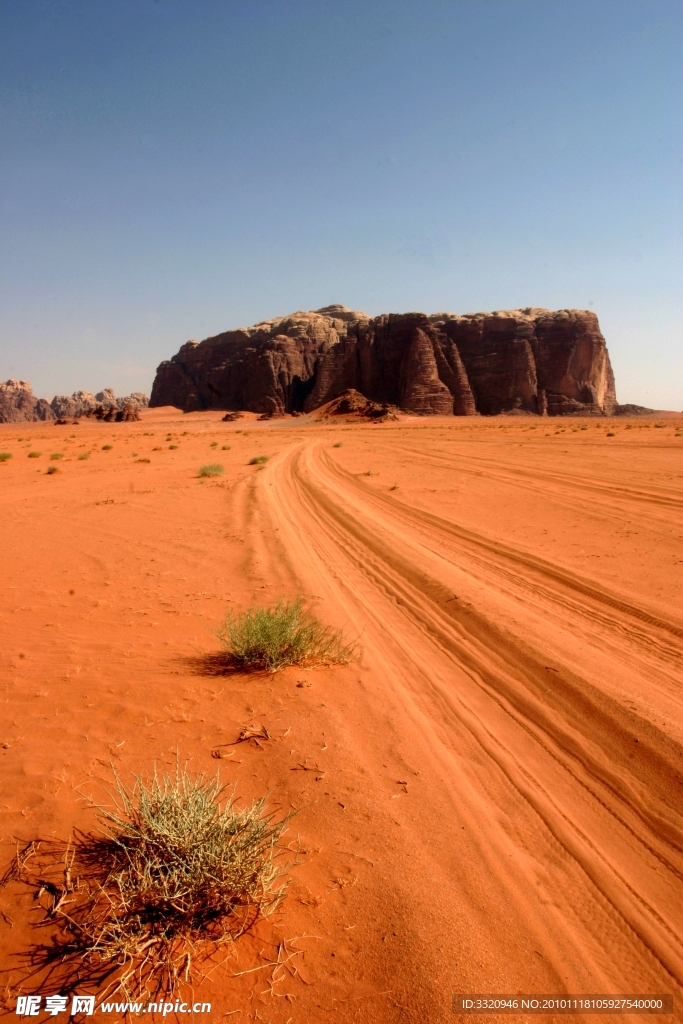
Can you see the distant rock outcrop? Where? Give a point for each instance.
(528, 360)
(113, 414)
(75, 405)
(84, 403)
(634, 410)
(18, 404)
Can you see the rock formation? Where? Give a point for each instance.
(115, 414)
(18, 404)
(352, 403)
(136, 398)
(84, 403)
(527, 360)
(75, 405)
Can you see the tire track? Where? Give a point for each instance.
(576, 778)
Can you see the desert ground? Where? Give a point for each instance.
(488, 796)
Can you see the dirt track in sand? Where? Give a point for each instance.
(496, 801)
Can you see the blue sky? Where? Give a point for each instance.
(172, 169)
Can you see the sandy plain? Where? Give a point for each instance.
(489, 795)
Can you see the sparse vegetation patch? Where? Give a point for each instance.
(34, 455)
(284, 634)
(214, 469)
(257, 460)
(177, 872)
(5, 456)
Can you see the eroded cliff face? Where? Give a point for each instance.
(530, 360)
(18, 404)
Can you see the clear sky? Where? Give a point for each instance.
(172, 169)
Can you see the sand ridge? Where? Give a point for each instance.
(495, 804)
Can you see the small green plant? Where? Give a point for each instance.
(107, 447)
(34, 455)
(177, 873)
(284, 634)
(213, 469)
(51, 469)
(5, 456)
(55, 456)
(84, 455)
(258, 459)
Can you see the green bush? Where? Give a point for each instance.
(84, 455)
(284, 634)
(5, 456)
(178, 872)
(55, 456)
(212, 470)
(258, 459)
(51, 469)
(34, 455)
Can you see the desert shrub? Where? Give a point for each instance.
(177, 872)
(56, 455)
(51, 469)
(258, 459)
(34, 455)
(107, 447)
(211, 470)
(213, 444)
(84, 455)
(172, 447)
(284, 634)
(337, 444)
(225, 448)
(5, 456)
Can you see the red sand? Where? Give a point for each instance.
(496, 800)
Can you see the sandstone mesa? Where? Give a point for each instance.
(528, 360)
